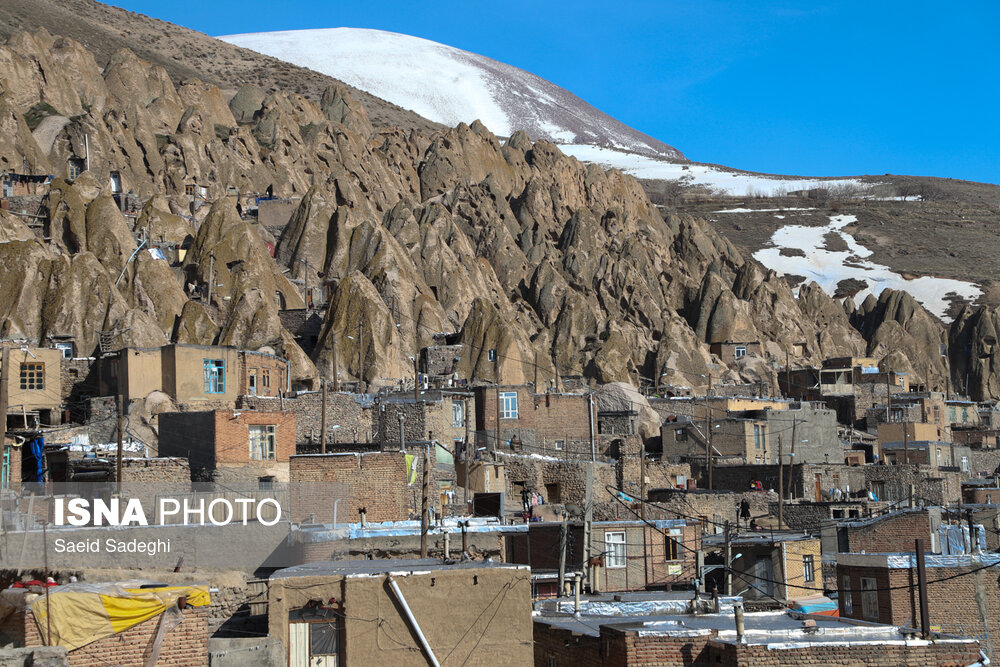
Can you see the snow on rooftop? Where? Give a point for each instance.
(812, 258)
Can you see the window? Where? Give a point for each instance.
(758, 436)
(672, 544)
(680, 435)
(67, 349)
(458, 414)
(265, 483)
(808, 569)
(262, 442)
(252, 382)
(965, 464)
(869, 599)
(845, 593)
(215, 376)
(508, 405)
(560, 445)
(265, 378)
(33, 375)
(615, 545)
(76, 167)
(740, 351)
(492, 355)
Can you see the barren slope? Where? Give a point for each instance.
(184, 53)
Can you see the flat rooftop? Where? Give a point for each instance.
(372, 568)
(774, 629)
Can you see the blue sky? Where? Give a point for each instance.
(806, 88)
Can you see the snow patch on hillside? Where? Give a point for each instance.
(451, 86)
(829, 267)
(721, 180)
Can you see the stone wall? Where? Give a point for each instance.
(347, 420)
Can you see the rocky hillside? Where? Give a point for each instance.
(513, 245)
(183, 53)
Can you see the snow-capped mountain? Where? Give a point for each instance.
(449, 86)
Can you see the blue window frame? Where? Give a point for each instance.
(215, 376)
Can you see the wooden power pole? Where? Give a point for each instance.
(118, 466)
(423, 502)
(322, 419)
(781, 483)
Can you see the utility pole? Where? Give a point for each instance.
(468, 448)
(361, 359)
(729, 558)
(888, 389)
(590, 421)
(496, 376)
(791, 462)
(708, 433)
(925, 624)
(788, 375)
(563, 539)
(642, 480)
(211, 276)
(416, 379)
(781, 483)
(4, 378)
(118, 466)
(333, 360)
(322, 418)
(972, 530)
(535, 364)
(906, 445)
(423, 502)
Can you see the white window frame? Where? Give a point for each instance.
(559, 445)
(263, 441)
(808, 568)
(458, 414)
(740, 351)
(965, 464)
(869, 598)
(845, 593)
(614, 545)
(508, 405)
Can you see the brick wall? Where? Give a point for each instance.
(891, 533)
(870, 654)
(967, 605)
(270, 373)
(185, 645)
(375, 481)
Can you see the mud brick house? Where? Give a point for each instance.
(931, 453)
(348, 416)
(209, 374)
(34, 385)
(634, 637)
(732, 352)
(624, 555)
(963, 592)
(321, 484)
(913, 483)
(250, 448)
(262, 374)
(434, 415)
(891, 532)
(782, 565)
(322, 613)
(554, 424)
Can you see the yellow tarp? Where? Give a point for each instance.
(81, 614)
